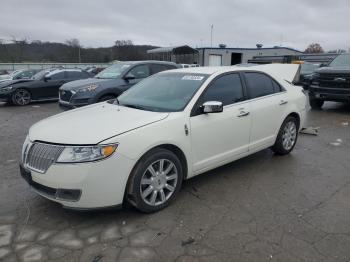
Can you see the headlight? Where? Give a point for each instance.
(88, 88)
(7, 88)
(79, 154)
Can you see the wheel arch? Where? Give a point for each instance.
(172, 148)
(296, 116)
(22, 88)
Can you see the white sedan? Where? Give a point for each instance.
(170, 127)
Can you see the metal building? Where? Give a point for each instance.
(222, 56)
(177, 54)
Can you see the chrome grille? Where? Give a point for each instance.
(39, 156)
(330, 80)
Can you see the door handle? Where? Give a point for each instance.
(243, 113)
(283, 102)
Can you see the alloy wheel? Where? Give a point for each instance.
(158, 182)
(21, 97)
(289, 135)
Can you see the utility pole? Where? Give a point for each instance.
(211, 36)
(79, 55)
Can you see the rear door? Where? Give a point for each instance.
(267, 104)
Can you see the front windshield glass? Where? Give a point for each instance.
(113, 71)
(164, 92)
(341, 60)
(308, 68)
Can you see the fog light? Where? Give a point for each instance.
(68, 194)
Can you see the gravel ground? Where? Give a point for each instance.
(261, 208)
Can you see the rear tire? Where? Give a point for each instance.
(316, 103)
(155, 181)
(287, 136)
(21, 97)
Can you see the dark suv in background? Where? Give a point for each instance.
(109, 83)
(331, 83)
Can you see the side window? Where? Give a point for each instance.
(57, 76)
(158, 68)
(140, 71)
(74, 75)
(277, 86)
(259, 85)
(226, 89)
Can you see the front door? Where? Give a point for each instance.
(51, 84)
(220, 137)
(136, 74)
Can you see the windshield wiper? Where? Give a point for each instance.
(133, 106)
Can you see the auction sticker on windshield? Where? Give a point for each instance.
(192, 77)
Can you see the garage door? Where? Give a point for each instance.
(215, 60)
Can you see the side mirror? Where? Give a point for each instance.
(47, 78)
(212, 107)
(129, 77)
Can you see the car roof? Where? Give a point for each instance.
(147, 62)
(283, 71)
(64, 69)
(209, 70)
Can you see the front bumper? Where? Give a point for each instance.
(329, 93)
(77, 99)
(83, 185)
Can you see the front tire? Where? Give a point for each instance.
(155, 181)
(21, 97)
(287, 136)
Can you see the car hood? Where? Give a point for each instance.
(78, 84)
(334, 70)
(12, 82)
(92, 124)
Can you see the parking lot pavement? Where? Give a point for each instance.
(261, 208)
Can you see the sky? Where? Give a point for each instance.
(236, 23)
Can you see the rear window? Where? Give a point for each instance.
(156, 68)
(259, 85)
(74, 74)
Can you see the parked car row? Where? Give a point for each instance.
(171, 126)
(109, 83)
(42, 86)
(77, 87)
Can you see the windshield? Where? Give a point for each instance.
(165, 92)
(341, 60)
(113, 71)
(308, 68)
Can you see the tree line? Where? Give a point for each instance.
(71, 51)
